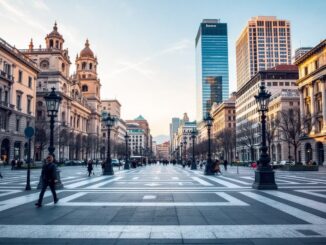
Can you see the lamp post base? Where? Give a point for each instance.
(108, 170)
(126, 166)
(264, 180)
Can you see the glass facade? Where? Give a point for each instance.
(212, 67)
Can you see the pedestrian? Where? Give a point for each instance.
(49, 178)
(89, 167)
(225, 163)
(216, 167)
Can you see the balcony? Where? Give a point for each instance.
(6, 105)
(7, 77)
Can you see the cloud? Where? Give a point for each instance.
(21, 16)
(138, 66)
(41, 5)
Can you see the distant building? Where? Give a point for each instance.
(174, 125)
(265, 42)
(283, 100)
(212, 69)
(163, 151)
(111, 106)
(18, 76)
(154, 151)
(312, 87)
(300, 52)
(224, 120)
(137, 139)
(143, 124)
(248, 135)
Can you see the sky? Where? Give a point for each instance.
(146, 48)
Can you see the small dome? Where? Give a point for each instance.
(87, 52)
(54, 32)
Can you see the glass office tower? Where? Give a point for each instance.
(212, 67)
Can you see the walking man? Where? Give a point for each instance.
(49, 178)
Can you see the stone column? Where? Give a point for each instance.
(302, 110)
(312, 107)
(323, 96)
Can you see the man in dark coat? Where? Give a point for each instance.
(49, 178)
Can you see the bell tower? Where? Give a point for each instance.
(54, 39)
(86, 71)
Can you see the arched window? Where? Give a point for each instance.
(83, 65)
(51, 43)
(63, 66)
(44, 64)
(64, 88)
(83, 76)
(90, 66)
(57, 44)
(84, 88)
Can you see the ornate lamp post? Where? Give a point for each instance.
(264, 175)
(193, 137)
(208, 167)
(53, 101)
(127, 152)
(109, 122)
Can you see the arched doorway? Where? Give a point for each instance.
(279, 152)
(17, 152)
(273, 153)
(320, 153)
(5, 150)
(308, 152)
(25, 151)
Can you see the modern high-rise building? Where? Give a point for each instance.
(264, 43)
(174, 125)
(211, 65)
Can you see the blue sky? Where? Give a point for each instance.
(145, 48)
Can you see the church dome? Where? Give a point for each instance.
(87, 52)
(54, 33)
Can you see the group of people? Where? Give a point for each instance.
(16, 163)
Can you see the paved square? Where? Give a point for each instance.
(164, 204)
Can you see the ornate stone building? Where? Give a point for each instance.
(77, 127)
(17, 101)
(312, 87)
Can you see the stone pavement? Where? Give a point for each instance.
(164, 205)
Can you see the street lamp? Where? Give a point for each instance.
(53, 101)
(264, 175)
(127, 152)
(109, 123)
(208, 168)
(193, 137)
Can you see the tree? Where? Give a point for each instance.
(290, 128)
(225, 140)
(247, 135)
(41, 137)
(63, 141)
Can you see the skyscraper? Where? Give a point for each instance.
(211, 65)
(264, 43)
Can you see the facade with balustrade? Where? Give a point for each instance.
(17, 101)
(312, 87)
(78, 125)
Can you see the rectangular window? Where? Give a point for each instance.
(17, 125)
(18, 102)
(30, 82)
(29, 103)
(20, 76)
(306, 71)
(316, 64)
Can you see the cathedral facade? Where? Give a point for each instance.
(78, 124)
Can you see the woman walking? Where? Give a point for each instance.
(90, 167)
